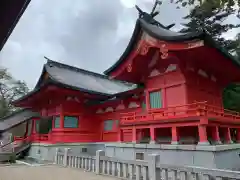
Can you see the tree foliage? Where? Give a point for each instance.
(10, 90)
(210, 16)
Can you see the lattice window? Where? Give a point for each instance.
(84, 150)
(70, 122)
(155, 99)
(108, 125)
(57, 122)
(140, 156)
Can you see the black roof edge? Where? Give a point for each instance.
(15, 113)
(25, 5)
(52, 81)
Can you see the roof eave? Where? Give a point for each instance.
(15, 23)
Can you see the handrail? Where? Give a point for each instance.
(12, 142)
(197, 108)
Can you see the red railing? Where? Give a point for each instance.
(188, 110)
(41, 137)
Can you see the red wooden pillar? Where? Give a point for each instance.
(227, 135)
(134, 134)
(147, 100)
(215, 135)
(152, 135)
(175, 135)
(238, 135)
(202, 132)
(61, 119)
(120, 139)
(34, 126)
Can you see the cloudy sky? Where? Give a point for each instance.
(88, 34)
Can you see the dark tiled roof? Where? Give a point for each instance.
(16, 118)
(163, 33)
(85, 80)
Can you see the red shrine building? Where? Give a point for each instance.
(165, 88)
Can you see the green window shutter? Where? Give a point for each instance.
(57, 122)
(155, 99)
(108, 125)
(70, 122)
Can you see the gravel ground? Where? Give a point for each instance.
(49, 172)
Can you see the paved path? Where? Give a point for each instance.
(49, 172)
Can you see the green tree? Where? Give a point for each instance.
(10, 90)
(210, 16)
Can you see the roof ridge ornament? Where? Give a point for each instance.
(149, 17)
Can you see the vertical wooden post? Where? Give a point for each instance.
(134, 134)
(147, 100)
(152, 135)
(61, 118)
(120, 135)
(215, 135)
(227, 135)
(202, 132)
(175, 135)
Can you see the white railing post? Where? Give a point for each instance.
(56, 156)
(152, 158)
(97, 162)
(65, 157)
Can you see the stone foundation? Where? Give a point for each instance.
(220, 156)
(43, 151)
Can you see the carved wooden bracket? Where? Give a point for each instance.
(143, 48)
(129, 68)
(164, 51)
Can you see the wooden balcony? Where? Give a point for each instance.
(187, 111)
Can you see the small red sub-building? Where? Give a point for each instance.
(166, 88)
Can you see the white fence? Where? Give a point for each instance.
(140, 170)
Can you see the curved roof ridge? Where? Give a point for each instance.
(155, 29)
(77, 69)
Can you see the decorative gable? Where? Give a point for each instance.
(133, 105)
(99, 111)
(109, 109)
(120, 107)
